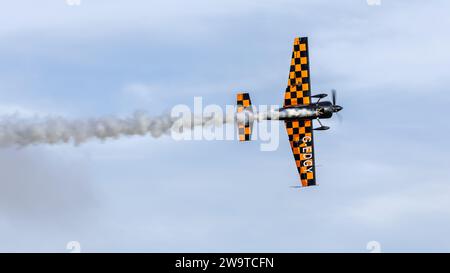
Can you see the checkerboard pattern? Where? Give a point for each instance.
(298, 91)
(244, 128)
(300, 134)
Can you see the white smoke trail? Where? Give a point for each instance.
(18, 131)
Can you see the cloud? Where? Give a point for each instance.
(141, 91)
(402, 207)
(38, 187)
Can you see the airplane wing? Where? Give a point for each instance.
(298, 91)
(302, 144)
(300, 132)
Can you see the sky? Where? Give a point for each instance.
(382, 172)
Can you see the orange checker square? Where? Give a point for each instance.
(305, 86)
(298, 67)
(287, 95)
(303, 47)
(304, 73)
(304, 183)
(303, 60)
(297, 54)
(306, 100)
(302, 157)
(294, 101)
(247, 130)
(309, 175)
(303, 169)
(240, 97)
(307, 123)
(246, 103)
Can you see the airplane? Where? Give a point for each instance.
(298, 113)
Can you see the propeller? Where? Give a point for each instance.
(336, 108)
(333, 96)
(340, 118)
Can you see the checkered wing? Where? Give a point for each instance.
(298, 91)
(300, 134)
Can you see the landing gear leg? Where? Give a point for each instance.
(321, 128)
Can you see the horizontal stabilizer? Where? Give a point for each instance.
(244, 110)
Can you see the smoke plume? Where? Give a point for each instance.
(19, 131)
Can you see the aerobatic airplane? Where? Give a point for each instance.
(298, 112)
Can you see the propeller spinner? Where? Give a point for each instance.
(336, 108)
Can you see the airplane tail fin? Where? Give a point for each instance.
(244, 119)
